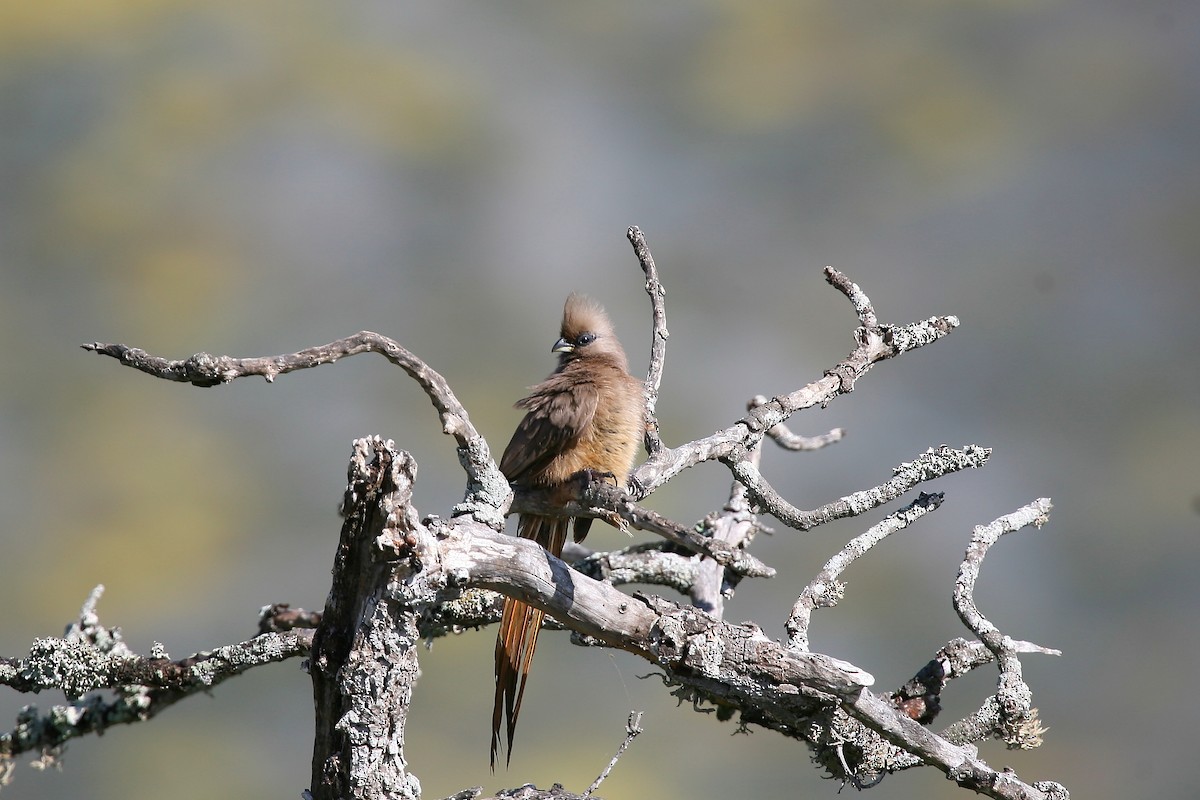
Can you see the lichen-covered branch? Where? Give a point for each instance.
(90, 657)
(928, 466)
(737, 667)
(825, 590)
(1009, 714)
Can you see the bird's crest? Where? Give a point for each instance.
(582, 314)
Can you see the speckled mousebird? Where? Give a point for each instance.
(586, 416)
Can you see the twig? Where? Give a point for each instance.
(856, 296)
(1036, 514)
(825, 590)
(1011, 716)
(633, 727)
(783, 436)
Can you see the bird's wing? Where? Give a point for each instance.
(558, 414)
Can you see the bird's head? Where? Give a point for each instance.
(586, 332)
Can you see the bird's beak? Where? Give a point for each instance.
(562, 346)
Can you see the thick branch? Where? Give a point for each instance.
(734, 665)
(735, 525)
(364, 661)
(617, 507)
(676, 638)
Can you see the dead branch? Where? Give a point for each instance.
(874, 342)
(90, 657)
(488, 494)
(825, 590)
(398, 578)
(658, 338)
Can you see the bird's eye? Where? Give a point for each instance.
(585, 339)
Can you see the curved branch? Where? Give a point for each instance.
(676, 638)
(825, 590)
(659, 334)
(1010, 713)
(926, 467)
(488, 493)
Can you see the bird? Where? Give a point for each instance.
(586, 417)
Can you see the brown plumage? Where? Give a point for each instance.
(586, 416)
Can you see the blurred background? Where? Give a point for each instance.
(255, 178)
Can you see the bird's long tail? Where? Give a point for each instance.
(519, 628)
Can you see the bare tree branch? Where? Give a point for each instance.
(735, 525)
(961, 764)
(616, 506)
(920, 697)
(825, 590)
(928, 466)
(874, 343)
(659, 334)
(1010, 714)
(645, 564)
(90, 657)
(633, 728)
(717, 662)
(488, 493)
(783, 436)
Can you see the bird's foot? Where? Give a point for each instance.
(596, 476)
